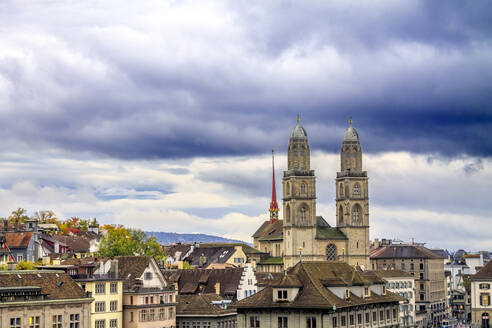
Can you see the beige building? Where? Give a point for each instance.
(481, 308)
(403, 284)
(40, 299)
(148, 300)
(428, 269)
(302, 233)
(321, 294)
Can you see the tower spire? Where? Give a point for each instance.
(273, 204)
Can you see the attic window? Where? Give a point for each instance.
(148, 276)
(366, 291)
(282, 295)
(384, 290)
(59, 283)
(347, 293)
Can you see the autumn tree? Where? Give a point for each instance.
(120, 241)
(18, 216)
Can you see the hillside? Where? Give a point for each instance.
(167, 238)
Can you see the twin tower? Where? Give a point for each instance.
(306, 235)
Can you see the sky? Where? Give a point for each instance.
(161, 115)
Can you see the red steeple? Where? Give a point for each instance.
(273, 204)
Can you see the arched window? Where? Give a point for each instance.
(356, 189)
(356, 215)
(287, 213)
(331, 252)
(347, 194)
(341, 189)
(340, 215)
(287, 187)
(302, 215)
(303, 188)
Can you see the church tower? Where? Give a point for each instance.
(299, 196)
(352, 200)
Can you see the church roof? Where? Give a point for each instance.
(269, 231)
(328, 233)
(350, 134)
(403, 251)
(298, 133)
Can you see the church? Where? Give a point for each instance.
(302, 235)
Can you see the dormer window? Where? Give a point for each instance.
(384, 290)
(366, 291)
(148, 276)
(347, 293)
(282, 295)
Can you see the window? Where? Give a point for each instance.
(83, 286)
(171, 313)
(34, 322)
(74, 320)
(381, 315)
(484, 286)
(421, 275)
(303, 188)
(151, 314)
(195, 324)
(422, 287)
(331, 252)
(394, 313)
(388, 315)
(254, 321)
(421, 266)
(282, 322)
(15, 322)
(206, 324)
(131, 316)
(359, 319)
(113, 306)
(366, 291)
(100, 323)
(367, 317)
(356, 214)
(310, 322)
(422, 297)
(143, 315)
(113, 288)
(485, 299)
(347, 293)
(356, 189)
(100, 306)
(131, 299)
(335, 324)
(374, 316)
(343, 320)
(351, 319)
(57, 321)
(341, 189)
(113, 323)
(302, 215)
(162, 314)
(19, 258)
(101, 288)
(403, 265)
(340, 215)
(412, 267)
(148, 276)
(384, 290)
(282, 294)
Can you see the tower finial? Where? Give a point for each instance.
(273, 204)
(350, 120)
(298, 118)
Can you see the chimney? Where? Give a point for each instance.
(376, 243)
(114, 268)
(217, 288)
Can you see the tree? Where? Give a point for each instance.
(25, 265)
(18, 216)
(46, 216)
(120, 241)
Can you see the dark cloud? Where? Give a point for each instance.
(415, 75)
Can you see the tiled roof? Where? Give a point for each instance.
(403, 251)
(315, 277)
(131, 268)
(267, 278)
(219, 254)
(269, 231)
(329, 233)
(483, 273)
(200, 304)
(54, 284)
(204, 280)
(18, 239)
(271, 260)
(76, 244)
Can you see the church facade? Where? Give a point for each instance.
(302, 234)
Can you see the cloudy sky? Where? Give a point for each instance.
(161, 114)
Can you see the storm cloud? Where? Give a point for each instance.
(183, 79)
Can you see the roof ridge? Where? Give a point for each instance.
(319, 289)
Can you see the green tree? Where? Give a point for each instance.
(127, 242)
(19, 215)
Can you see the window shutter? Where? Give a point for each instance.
(488, 299)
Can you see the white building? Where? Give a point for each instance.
(403, 284)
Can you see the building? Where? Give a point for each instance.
(428, 269)
(40, 299)
(302, 233)
(231, 284)
(481, 307)
(204, 311)
(403, 284)
(321, 294)
(148, 300)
